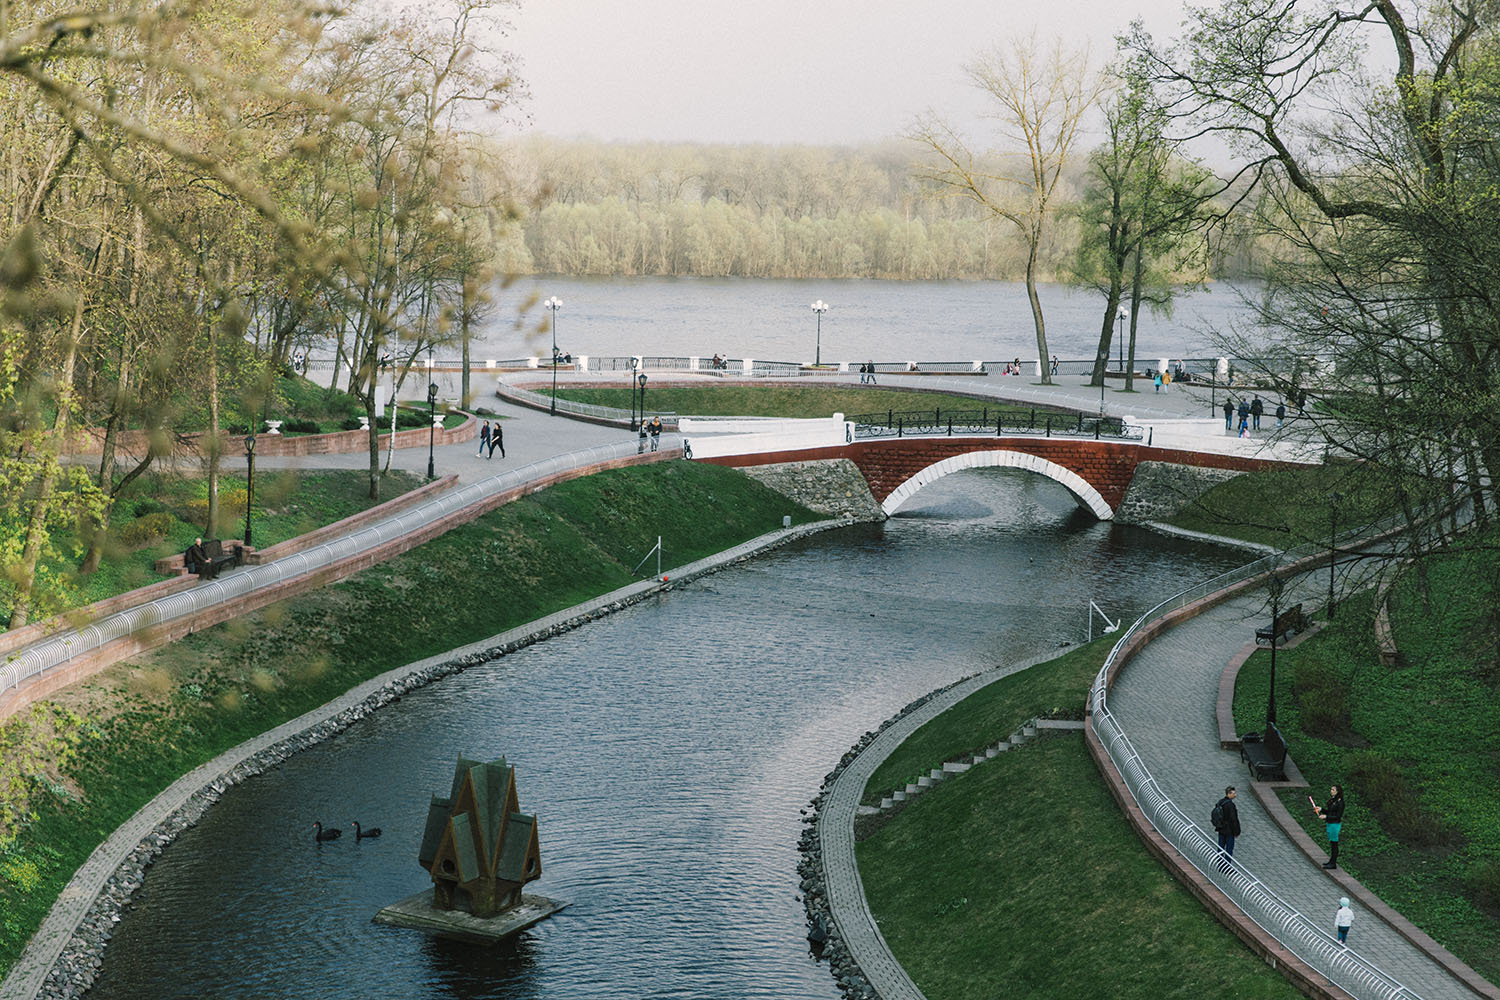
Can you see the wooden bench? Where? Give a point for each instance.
(218, 558)
(1291, 621)
(1265, 755)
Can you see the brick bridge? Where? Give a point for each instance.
(1097, 473)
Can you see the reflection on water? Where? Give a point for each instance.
(666, 752)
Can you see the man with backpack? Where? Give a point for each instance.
(1225, 818)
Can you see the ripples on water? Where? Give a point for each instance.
(666, 752)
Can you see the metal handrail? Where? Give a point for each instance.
(990, 420)
(1284, 922)
(63, 646)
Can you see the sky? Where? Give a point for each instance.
(779, 71)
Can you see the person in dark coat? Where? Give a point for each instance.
(1256, 409)
(484, 437)
(1244, 417)
(655, 433)
(1332, 815)
(497, 440)
(1280, 413)
(1228, 412)
(196, 559)
(1228, 826)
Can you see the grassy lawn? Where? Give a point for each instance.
(1289, 506)
(992, 713)
(1415, 746)
(1021, 878)
(160, 515)
(782, 400)
(76, 767)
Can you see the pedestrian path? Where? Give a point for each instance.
(1164, 699)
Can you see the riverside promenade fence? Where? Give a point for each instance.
(389, 536)
(1300, 935)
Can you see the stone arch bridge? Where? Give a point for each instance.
(1096, 472)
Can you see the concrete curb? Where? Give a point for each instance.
(63, 953)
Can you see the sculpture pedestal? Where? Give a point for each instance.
(418, 913)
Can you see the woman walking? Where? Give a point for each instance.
(1332, 815)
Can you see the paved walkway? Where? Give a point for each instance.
(1164, 699)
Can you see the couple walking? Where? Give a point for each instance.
(489, 440)
(1225, 819)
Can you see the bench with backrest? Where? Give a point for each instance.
(1265, 755)
(1291, 621)
(218, 557)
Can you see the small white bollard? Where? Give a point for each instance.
(533, 362)
(583, 362)
(490, 363)
(786, 521)
(748, 366)
(976, 366)
(843, 368)
(692, 364)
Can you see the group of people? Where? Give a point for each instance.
(1250, 411)
(867, 373)
(491, 438)
(650, 430)
(719, 363)
(1225, 819)
(299, 362)
(1014, 367)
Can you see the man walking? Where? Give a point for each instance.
(484, 437)
(1228, 411)
(497, 440)
(1226, 820)
(1256, 409)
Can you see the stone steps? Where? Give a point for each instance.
(1024, 734)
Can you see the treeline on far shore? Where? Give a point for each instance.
(766, 212)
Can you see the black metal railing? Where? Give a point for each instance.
(989, 420)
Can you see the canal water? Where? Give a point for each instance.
(666, 752)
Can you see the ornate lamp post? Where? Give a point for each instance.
(554, 303)
(1121, 314)
(641, 381)
(431, 426)
(249, 483)
(820, 307)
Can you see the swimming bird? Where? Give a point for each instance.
(322, 836)
(359, 834)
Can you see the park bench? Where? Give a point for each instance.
(1291, 621)
(1265, 755)
(218, 558)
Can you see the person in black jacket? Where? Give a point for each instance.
(1228, 412)
(1228, 825)
(1256, 409)
(1332, 815)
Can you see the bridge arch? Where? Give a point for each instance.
(1075, 484)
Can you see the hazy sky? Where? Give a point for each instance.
(778, 71)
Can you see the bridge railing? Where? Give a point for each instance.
(990, 420)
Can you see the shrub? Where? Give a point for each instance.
(1484, 884)
(1376, 779)
(1323, 711)
(1382, 786)
(304, 427)
(146, 530)
(231, 505)
(350, 424)
(149, 506)
(412, 418)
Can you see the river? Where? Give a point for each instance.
(665, 750)
(866, 320)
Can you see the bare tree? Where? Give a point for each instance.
(1039, 96)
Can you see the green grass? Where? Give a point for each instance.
(1416, 747)
(782, 401)
(1021, 878)
(991, 714)
(287, 504)
(1285, 507)
(191, 700)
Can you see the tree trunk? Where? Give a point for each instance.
(1036, 315)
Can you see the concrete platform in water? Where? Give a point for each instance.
(418, 913)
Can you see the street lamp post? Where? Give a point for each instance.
(1275, 613)
(1121, 316)
(431, 426)
(633, 369)
(554, 303)
(641, 381)
(820, 307)
(249, 483)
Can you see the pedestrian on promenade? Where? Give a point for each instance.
(1256, 409)
(871, 367)
(484, 438)
(1054, 364)
(655, 433)
(1226, 820)
(1343, 920)
(1280, 413)
(497, 440)
(1332, 815)
(1228, 411)
(1244, 411)
(1156, 381)
(640, 442)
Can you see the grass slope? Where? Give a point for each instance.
(123, 738)
(1021, 878)
(1416, 747)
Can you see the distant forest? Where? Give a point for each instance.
(760, 211)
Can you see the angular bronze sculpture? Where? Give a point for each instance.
(480, 850)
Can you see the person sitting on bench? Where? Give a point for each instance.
(196, 559)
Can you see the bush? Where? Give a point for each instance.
(149, 506)
(1382, 786)
(1324, 711)
(303, 427)
(411, 418)
(1484, 883)
(1376, 779)
(350, 424)
(146, 530)
(231, 506)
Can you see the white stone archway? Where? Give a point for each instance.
(1085, 494)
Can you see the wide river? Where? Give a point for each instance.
(666, 751)
(866, 320)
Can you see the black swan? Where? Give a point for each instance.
(359, 834)
(322, 836)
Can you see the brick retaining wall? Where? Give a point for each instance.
(90, 441)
